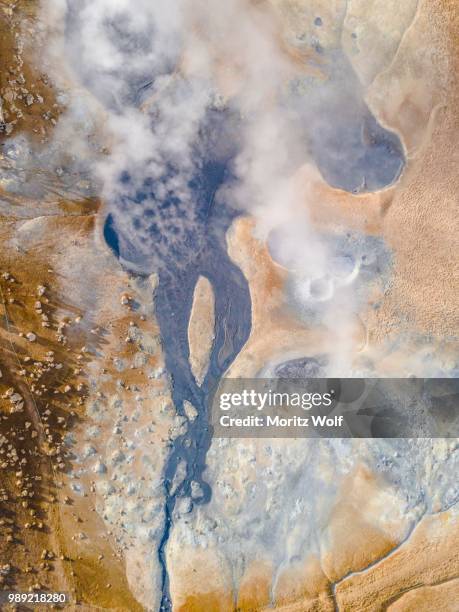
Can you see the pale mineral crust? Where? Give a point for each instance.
(201, 328)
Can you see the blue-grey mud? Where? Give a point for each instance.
(352, 150)
(202, 253)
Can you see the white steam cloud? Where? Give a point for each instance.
(152, 70)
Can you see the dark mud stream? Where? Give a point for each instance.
(203, 252)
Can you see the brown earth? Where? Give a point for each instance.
(28, 102)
